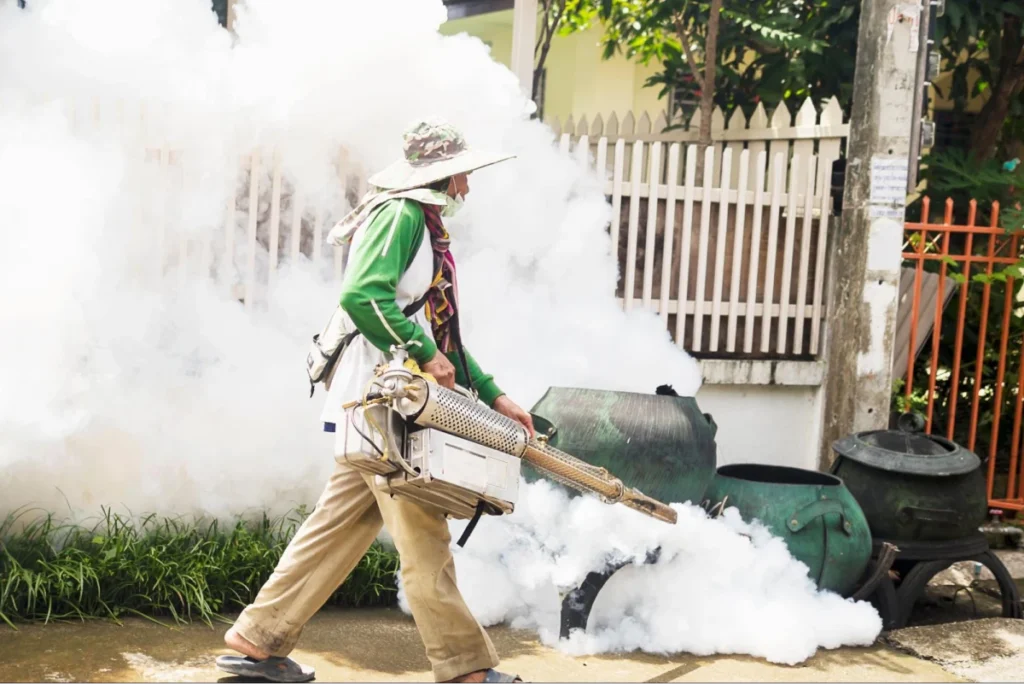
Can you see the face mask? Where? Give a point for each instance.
(452, 205)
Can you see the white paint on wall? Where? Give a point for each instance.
(769, 424)
(880, 297)
(761, 372)
(885, 246)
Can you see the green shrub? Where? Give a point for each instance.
(957, 175)
(157, 567)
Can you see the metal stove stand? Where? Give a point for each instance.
(577, 604)
(917, 562)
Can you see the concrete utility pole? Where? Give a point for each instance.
(524, 38)
(866, 250)
(231, 15)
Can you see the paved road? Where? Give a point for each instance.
(382, 645)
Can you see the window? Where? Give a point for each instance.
(953, 130)
(684, 100)
(460, 9)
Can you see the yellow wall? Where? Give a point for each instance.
(579, 81)
(494, 28)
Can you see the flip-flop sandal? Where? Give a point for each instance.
(495, 676)
(273, 669)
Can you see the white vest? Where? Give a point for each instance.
(355, 368)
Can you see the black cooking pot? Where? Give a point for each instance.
(913, 486)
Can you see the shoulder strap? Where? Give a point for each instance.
(417, 305)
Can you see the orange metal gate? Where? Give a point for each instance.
(968, 381)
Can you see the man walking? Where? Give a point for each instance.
(399, 289)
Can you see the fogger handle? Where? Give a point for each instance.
(543, 460)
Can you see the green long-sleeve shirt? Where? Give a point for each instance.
(389, 244)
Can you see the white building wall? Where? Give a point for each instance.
(766, 412)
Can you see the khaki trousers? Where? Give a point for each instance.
(329, 545)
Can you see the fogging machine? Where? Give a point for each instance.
(444, 449)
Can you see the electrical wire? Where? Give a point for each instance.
(363, 435)
(398, 459)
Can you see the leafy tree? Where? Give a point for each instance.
(554, 15)
(702, 46)
(766, 51)
(986, 37)
(773, 50)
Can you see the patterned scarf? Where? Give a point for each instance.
(443, 299)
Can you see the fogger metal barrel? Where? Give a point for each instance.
(430, 405)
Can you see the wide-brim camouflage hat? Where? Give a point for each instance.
(434, 151)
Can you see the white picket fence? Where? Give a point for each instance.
(805, 132)
(754, 285)
(266, 224)
(279, 240)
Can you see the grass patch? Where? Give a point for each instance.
(157, 567)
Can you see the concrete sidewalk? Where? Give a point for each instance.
(382, 645)
(988, 650)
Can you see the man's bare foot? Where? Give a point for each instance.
(237, 642)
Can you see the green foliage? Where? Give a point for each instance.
(156, 567)
(794, 49)
(579, 15)
(969, 38)
(984, 40)
(917, 402)
(777, 50)
(959, 175)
